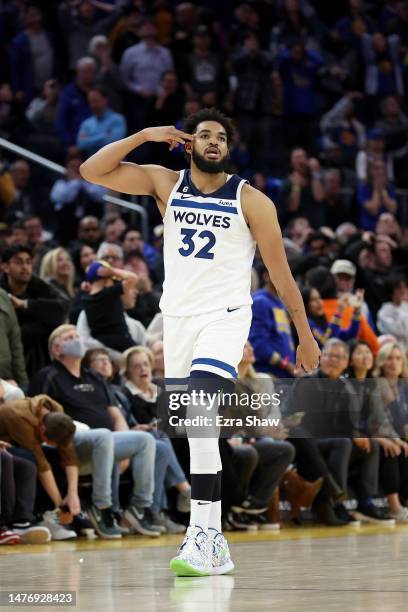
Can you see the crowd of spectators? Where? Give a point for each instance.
(317, 94)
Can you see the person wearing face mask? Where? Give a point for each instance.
(87, 399)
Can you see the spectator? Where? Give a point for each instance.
(142, 395)
(383, 66)
(344, 273)
(108, 73)
(337, 207)
(373, 152)
(112, 253)
(102, 127)
(321, 329)
(89, 232)
(80, 21)
(133, 241)
(302, 193)
(126, 33)
(73, 197)
(39, 239)
(394, 126)
(82, 258)
(324, 281)
(23, 203)
(12, 366)
(340, 128)
(270, 332)
(86, 398)
(387, 225)
(392, 318)
(42, 115)
(332, 417)
(114, 228)
(297, 20)
(375, 197)
(391, 367)
(58, 270)
(350, 28)
(203, 72)
(32, 55)
(73, 104)
(253, 96)
(299, 71)
(378, 266)
(169, 101)
(28, 423)
(142, 67)
(18, 488)
(103, 305)
(39, 307)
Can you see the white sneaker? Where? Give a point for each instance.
(58, 531)
(194, 555)
(33, 534)
(221, 558)
(401, 516)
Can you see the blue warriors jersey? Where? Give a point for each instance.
(208, 249)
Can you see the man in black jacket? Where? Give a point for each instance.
(39, 307)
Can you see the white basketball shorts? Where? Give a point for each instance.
(211, 342)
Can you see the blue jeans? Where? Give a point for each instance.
(99, 449)
(167, 472)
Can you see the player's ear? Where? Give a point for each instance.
(188, 147)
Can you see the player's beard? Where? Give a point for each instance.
(209, 166)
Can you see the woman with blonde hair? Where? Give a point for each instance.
(57, 268)
(391, 369)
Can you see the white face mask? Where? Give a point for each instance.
(73, 348)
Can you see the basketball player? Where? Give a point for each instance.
(212, 221)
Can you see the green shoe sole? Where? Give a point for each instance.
(181, 568)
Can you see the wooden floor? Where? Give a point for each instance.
(361, 569)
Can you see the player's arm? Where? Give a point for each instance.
(262, 219)
(107, 168)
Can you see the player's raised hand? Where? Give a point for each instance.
(307, 355)
(169, 134)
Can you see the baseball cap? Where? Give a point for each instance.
(343, 266)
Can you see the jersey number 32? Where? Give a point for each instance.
(190, 239)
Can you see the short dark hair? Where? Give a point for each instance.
(393, 282)
(208, 114)
(59, 427)
(100, 90)
(15, 249)
(134, 255)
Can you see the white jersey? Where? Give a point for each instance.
(208, 249)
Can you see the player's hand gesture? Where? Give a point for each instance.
(307, 355)
(169, 134)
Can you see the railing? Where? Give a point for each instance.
(47, 163)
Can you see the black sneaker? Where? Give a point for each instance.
(83, 526)
(242, 522)
(372, 514)
(325, 514)
(344, 515)
(104, 523)
(250, 506)
(139, 522)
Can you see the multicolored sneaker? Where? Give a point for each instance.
(221, 558)
(194, 555)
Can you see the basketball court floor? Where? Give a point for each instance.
(359, 569)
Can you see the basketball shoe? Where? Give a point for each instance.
(194, 555)
(221, 558)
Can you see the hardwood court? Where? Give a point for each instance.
(315, 569)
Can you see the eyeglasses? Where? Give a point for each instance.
(334, 356)
(101, 360)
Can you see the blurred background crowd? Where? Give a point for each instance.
(317, 94)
